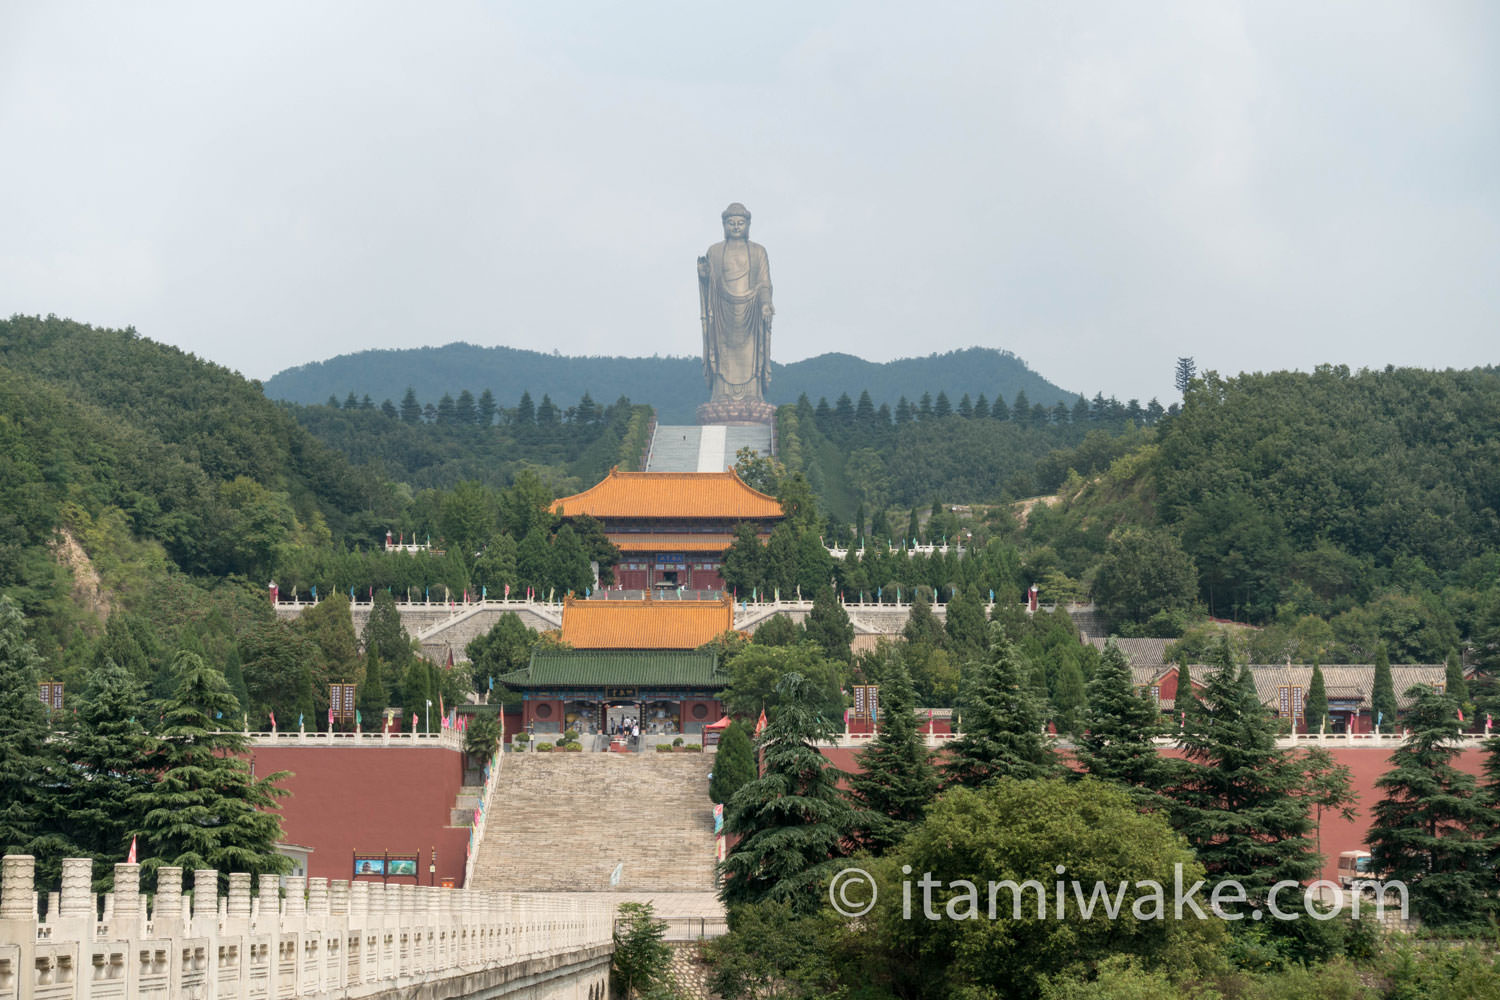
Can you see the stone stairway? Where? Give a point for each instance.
(562, 822)
(687, 448)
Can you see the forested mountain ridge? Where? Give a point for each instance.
(1365, 498)
(673, 385)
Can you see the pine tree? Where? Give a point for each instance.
(966, 630)
(28, 759)
(828, 625)
(372, 698)
(464, 412)
(1432, 827)
(110, 756)
(1456, 686)
(1316, 712)
(206, 810)
(1186, 704)
(411, 409)
(734, 763)
(1237, 803)
(526, 410)
(1383, 698)
(1184, 375)
(1119, 730)
(1069, 695)
(384, 632)
(486, 408)
(744, 562)
(897, 780)
(234, 676)
(1001, 724)
(793, 822)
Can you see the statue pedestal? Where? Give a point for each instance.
(737, 412)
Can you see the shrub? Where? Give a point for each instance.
(544, 748)
(663, 748)
(694, 748)
(572, 746)
(677, 742)
(570, 736)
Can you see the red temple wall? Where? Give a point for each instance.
(371, 799)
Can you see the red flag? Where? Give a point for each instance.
(273, 720)
(414, 721)
(1460, 715)
(130, 858)
(507, 591)
(760, 725)
(330, 718)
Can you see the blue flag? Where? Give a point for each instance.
(299, 720)
(315, 591)
(992, 597)
(492, 683)
(1378, 717)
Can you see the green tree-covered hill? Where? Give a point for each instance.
(673, 385)
(1365, 500)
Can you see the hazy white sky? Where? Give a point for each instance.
(1099, 188)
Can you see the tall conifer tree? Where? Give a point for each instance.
(206, 810)
(1432, 829)
(1316, 712)
(1120, 727)
(793, 822)
(1001, 723)
(897, 780)
(1383, 697)
(1237, 801)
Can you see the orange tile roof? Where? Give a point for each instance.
(670, 494)
(648, 624)
(670, 541)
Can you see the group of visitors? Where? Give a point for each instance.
(628, 726)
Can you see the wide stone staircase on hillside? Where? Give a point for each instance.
(563, 822)
(711, 448)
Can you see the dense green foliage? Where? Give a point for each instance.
(1342, 509)
(1015, 831)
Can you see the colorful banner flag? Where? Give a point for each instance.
(130, 858)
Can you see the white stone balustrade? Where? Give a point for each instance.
(323, 939)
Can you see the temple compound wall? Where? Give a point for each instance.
(323, 939)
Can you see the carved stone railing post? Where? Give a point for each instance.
(296, 895)
(267, 899)
(77, 888)
(238, 909)
(18, 887)
(338, 897)
(317, 897)
(166, 911)
(126, 921)
(359, 898)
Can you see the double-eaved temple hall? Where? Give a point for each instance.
(672, 528)
(635, 659)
